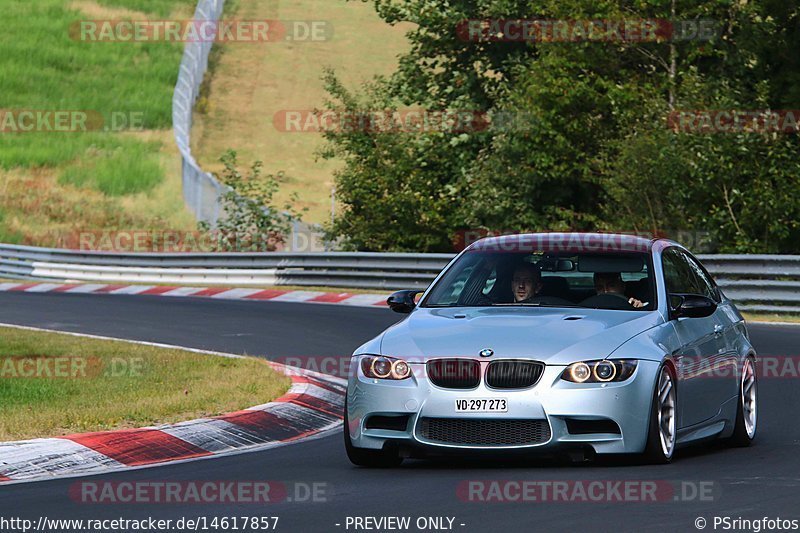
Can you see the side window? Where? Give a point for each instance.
(707, 285)
(678, 276)
(456, 287)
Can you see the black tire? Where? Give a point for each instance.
(366, 457)
(654, 452)
(740, 437)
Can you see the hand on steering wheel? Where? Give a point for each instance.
(633, 302)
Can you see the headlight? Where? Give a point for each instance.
(380, 367)
(599, 371)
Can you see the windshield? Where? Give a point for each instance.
(619, 281)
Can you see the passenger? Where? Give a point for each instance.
(611, 283)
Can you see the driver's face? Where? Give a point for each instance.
(522, 284)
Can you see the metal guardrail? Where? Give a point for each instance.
(760, 283)
(764, 283)
(334, 269)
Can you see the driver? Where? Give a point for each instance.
(526, 282)
(611, 283)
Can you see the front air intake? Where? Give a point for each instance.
(513, 374)
(484, 432)
(388, 422)
(454, 373)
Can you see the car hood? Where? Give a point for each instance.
(554, 336)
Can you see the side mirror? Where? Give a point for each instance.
(402, 301)
(691, 306)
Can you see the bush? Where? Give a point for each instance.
(251, 222)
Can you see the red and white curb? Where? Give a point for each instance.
(223, 293)
(312, 407)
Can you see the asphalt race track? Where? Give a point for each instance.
(762, 481)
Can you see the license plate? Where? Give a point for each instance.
(481, 405)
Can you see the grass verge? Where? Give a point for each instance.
(762, 317)
(107, 385)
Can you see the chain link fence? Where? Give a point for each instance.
(201, 190)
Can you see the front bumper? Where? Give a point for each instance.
(627, 404)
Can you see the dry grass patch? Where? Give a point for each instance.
(39, 209)
(253, 81)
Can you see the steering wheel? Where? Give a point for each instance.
(608, 300)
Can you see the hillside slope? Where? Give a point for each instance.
(55, 184)
(254, 81)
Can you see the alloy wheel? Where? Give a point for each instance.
(748, 392)
(666, 412)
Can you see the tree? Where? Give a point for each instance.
(400, 190)
(740, 187)
(590, 146)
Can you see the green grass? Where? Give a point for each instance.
(53, 184)
(161, 8)
(31, 150)
(43, 67)
(124, 170)
(46, 69)
(167, 385)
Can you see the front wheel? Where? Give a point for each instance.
(744, 430)
(366, 457)
(661, 435)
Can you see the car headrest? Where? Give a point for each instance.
(554, 286)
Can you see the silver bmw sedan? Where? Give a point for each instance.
(579, 342)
